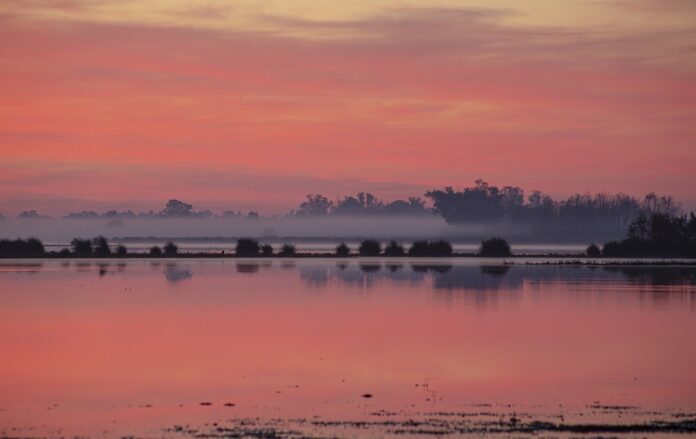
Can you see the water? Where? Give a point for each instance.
(293, 347)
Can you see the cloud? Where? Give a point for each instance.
(428, 96)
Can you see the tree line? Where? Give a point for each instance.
(488, 203)
(480, 203)
(656, 235)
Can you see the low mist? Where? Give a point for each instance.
(405, 228)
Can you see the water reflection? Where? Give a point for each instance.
(359, 275)
(491, 278)
(247, 267)
(173, 273)
(655, 275)
(299, 338)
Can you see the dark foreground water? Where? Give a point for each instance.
(326, 348)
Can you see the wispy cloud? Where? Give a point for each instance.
(408, 97)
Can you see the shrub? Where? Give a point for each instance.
(370, 247)
(425, 248)
(20, 248)
(267, 250)
(287, 250)
(121, 250)
(440, 248)
(171, 249)
(81, 247)
(247, 247)
(495, 247)
(394, 249)
(342, 250)
(659, 235)
(611, 249)
(101, 246)
(155, 251)
(34, 247)
(419, 248)
(593, 251)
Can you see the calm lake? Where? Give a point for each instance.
(356, 347)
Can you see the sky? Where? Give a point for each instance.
(251, 104)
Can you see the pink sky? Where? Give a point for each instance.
(126, 104)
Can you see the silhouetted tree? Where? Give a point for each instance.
(593, 251)
(394, 249)
(660, 234)
(370, 247)
(121, 250)
(155, 251)
(429, 249)
(110, 214)
(85, 214)
(267, 250)
(177, 208)
(478, 203)
(314, 205)
(440, 248)
(287, 250)
(364, 203)
(691, 235)
(666, 205)
(35, 247)
(495, 247)
(20, 248)
(413, 206)
(81, 247)
(101, 246)
(600, 213)
(32, 214)
(348, 206)
(247, 247)
(419, 249)
(342, 250)
(171, 249)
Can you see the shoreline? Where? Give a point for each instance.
(521, 259)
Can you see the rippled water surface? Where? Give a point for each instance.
(327, 347)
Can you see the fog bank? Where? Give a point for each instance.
(321, 228)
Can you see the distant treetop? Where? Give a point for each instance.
(479, 203)
(32, 214)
